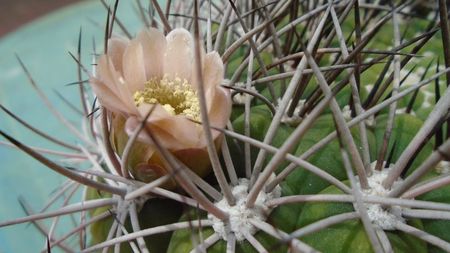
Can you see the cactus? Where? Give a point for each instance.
(337, 139)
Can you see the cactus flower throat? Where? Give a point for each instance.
(176, 96)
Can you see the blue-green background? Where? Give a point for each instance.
(43, 45)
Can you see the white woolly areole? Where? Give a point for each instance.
(239, 223)
(443, 167)
(347, 113)
(385, 218)
(240, 97)
(288, 66)
(293, 120)
(428, 98)
(370, 121)
(403, 111)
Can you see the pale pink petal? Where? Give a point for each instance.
(158, 112)
(103, 73)
(107, 74)
(107, 98)
(220, 110)
(130, 126)
(116, 48)
(154, 45)
(185, 133)
(174, 132)
(213, 70)
(123, 91)
(179, 55)
(133, 66)
(194, 82)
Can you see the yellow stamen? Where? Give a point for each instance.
(177, 96)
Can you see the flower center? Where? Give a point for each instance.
(176, 96)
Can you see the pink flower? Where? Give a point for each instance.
(157, 70)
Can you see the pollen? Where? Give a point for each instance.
(176, 96)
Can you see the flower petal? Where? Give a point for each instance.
(194, 81)
(112, 80)
(179, 55)
(116, 48)
(175, 132)
(107, 97)
(220, 110)
(153, 44)
(213, 70)
(104, 74)
(133, 66)
(123, 90)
